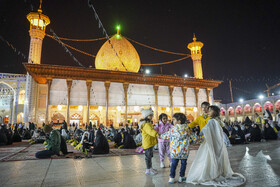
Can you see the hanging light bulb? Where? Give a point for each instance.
(194, 109)
(80, 107)
(119, 108)
(59, 107)
(136, 108)
(100, 108)
(167, 109)
(182, 109)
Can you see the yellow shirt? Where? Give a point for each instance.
(149, 135)
(201, 121)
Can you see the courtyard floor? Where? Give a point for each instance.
(258, 162)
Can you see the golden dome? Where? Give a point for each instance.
(128, 59)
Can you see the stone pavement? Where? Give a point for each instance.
(258, 162)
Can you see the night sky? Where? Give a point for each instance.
(241, 38)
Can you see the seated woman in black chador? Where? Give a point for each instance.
(237, 135)
(256, 134)
(128, 141)
(16, 136)
(269, 133)
(101, 145)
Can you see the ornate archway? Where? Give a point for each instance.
(238, 110)
(247, 109)
(231, 111)
(222, 112)
(257, 108)
(268, 105)
(190, 117)
(57, 118)
(94, 119)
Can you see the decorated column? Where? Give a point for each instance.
(49, 83)
(184, 90)
(156, 100)
(208, 90)
(16, 103)
(125, 88)
(69, 84)
(171, 88)
(107, 86)
(89, 84)
(196, 90)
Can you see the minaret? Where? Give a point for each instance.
(196, 55)
(38, 23)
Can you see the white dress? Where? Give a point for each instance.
(211, 165)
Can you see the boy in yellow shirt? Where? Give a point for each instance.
(203, 119)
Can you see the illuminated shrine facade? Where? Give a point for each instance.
(83, 95)
(238, 111)
(12, 93)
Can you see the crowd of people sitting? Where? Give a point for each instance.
(262, 129)
(95, 139)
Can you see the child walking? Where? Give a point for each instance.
(149, 139)
(163, 144)
(180, 137)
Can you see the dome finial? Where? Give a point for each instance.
(194, 38)
(118, 29)
(40, 7)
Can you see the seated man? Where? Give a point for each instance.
(53, 143)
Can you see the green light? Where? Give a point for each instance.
(118, 36)
(118, 27)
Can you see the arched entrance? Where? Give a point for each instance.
(222, 112)
(190, 117)
(57, 118)
(20, 117)
(7, 94)
(76, 119)
(238, 110)
(268, 105)
(257, 108)
(277, 105)
(94, 119)
(247, 109)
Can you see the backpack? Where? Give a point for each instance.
(63, 146)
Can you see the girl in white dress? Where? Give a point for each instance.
(211, 165)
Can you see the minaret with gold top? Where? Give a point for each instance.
(196, 55)
(38, 23)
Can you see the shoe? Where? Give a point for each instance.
(181, 179)
(171, 180)
(150, 172)
(154, 170)
(162, 165)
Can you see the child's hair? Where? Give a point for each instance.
(162, 115)
(216, 109)
(205, 103)
(181, 117)
(146, 120)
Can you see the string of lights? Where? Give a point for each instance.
(153, 48)
(66, 49)
(168, 62)
(104, 31)
(18, 52)
(85, 53)
(80, 40)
